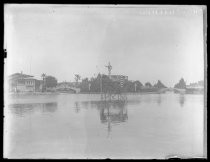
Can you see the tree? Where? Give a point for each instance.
(110, 86)
(95, 84)
(138, 85)
(148, 84)
(50, 81)
(159, 84)
(129, 86)
(181, 84)
(43, 76)
(77, 78)
(84, 86)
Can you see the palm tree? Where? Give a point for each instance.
(77, 78)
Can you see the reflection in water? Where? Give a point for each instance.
(100, 104)
(111, 112)
(159, 100)
(181, 99)
(23, 109)
(49, 107)
(77, 108)
(65, 134)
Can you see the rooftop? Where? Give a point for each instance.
(19, 75)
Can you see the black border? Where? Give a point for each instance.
(110, 2)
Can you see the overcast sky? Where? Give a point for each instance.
(146, 44)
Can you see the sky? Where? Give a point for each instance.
(145, 43)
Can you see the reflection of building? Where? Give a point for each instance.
(20, 82)
(29, 108)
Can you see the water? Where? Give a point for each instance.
(82, 126)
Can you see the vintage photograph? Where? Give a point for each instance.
(105, 81)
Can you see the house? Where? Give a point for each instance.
(20, 82)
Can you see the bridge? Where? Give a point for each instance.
(175, 90)
(67, 88)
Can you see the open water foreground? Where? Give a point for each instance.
(82, 126)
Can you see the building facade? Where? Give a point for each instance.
(20, 82)
(118, 78)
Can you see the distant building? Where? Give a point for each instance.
(195, 87)
(20, 82)
(198, 85)
(118, 78)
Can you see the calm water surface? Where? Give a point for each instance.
(82, 126)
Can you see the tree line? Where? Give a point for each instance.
(105, 84)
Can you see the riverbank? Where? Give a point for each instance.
(92, 93)
(33, 93)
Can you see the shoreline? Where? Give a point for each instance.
(58, 93)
